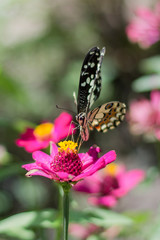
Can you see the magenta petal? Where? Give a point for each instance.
(128, 181)
(87, 185)
(37, 172)
(54, 149)
(157, 133)
(100, 163)
(90, 157)
(155, 99)
(91, 170)
(28, 135)
(62, 126)
(109, 157)
(64, 176)
(30, 166)
(29, 141)
(32, 146)
(42, 159)
(107, 201)
(93, 152)
(33, 170)
(86, 159)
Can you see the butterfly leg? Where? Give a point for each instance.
(80, 140)
(73, 129)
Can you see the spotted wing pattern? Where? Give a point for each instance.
(90, 79)
(106, 116)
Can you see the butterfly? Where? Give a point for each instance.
(104, 117)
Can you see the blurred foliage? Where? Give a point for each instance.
(150, 65)
(146, 83)
(42, 47)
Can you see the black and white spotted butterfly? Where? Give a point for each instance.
(104, 117)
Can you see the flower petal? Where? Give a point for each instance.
(62, 126)
(99, 164)
(41, 157)
(33, 170)
(128, 181)
(107, 201)
(87, 186)
(29, 141)
(37, 172)
(90, 157)
(64, 176)
(30, 166)
(91, 170)
(109, 157)
(53, 149)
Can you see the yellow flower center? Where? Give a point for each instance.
(111, 169)
(44, 131)
(67, 159)
(67, 146)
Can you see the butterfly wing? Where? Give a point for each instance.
(90, 79)
(106, 116)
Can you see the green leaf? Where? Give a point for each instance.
(21, 125)
(151, 65)
(20, 233)
(10, 87)
(94, 237)
(35, 190)
(45, 218)
(108, 218)
(5, 202)
(9, 170)
(146, 83)
(155, 234)
(101, 217)
(139, 217)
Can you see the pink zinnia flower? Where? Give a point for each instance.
(83, 231)
(107, 186)
(40, 137)
(145, 27)
(144, 115)
(65, 164)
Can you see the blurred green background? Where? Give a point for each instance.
(42, 47)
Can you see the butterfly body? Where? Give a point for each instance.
(104, 117)
(83, 123)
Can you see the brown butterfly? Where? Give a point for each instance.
(104, 117)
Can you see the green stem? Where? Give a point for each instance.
(59, 216)
(66, 189)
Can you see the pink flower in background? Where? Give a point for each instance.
(40, 137)
(144, 29)
(107, 186)
(144, 115)
(65, 164)
(83, 231)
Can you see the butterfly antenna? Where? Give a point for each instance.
(68, 110)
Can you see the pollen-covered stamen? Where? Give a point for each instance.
(67, 162)
(67, 159)
(68, 146)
